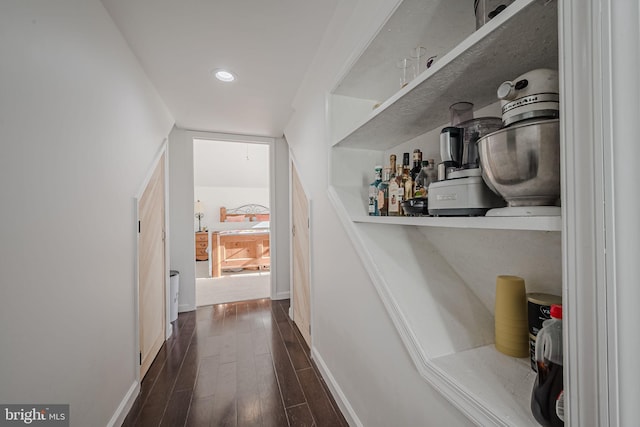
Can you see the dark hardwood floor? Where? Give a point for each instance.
(237, 364)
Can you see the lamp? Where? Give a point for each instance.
(199, 213)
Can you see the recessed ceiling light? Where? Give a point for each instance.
(224, 75)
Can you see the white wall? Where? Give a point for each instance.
(182, 193)
(353, 337)
(182, 252)
(229, 174)
(280, 226)
(230, 164)
(80, 125)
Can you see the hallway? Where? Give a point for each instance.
(237, 364)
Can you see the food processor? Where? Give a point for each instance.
(461, 190)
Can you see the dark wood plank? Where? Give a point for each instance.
(296, 353)
(289, 386)
(248, 393)
(278, 313)
(189, 370)
(206, 382)
(271, 407)
(200, 412)
(229, 321)
(225, 397)
(300, 416)
(259, 341)
(177, 409)
(228, 351)
(321, 408)
(209, 346)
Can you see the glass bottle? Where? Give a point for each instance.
(383, 193)
(394, 203)
(417, 163)
(408, 183)
(373, 192)
(422, 183)
(400, 189)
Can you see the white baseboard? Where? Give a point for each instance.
(125, 406)
(182, 308)
(336, 391)
(281, 295)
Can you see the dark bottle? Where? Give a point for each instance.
(547, 389)
(374, 210)
(406, 157)
(383, 193)
(417, 163)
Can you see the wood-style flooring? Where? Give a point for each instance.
(235, 364)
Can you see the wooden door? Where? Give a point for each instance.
(151, 268)
(300, 249)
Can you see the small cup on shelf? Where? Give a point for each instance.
(406, 66)
(511, 321)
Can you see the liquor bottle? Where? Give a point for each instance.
(417, 163)
(405, 161)
(408, 183)
(421, 182)
(393, 209)
(383, 193)
(400, 190)
(373, 192)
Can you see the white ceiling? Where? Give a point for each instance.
(268, 44)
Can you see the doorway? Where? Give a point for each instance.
(232, 217)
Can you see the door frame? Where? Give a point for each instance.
(245, 139)
(136, 297)
(305, 190)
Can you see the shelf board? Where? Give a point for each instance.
(353, 202)
(523, 37)
(493, 380)
(532, 223)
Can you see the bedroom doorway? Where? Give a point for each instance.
(231, 221)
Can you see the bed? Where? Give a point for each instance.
(242, 247)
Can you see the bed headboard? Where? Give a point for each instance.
(250, 212)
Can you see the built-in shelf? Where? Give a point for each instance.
(494, 380)
(354, 202)
(436, 281)
(523, 37)
(533, 223)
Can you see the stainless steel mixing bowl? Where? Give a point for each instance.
(521, 163)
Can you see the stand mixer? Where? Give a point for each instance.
(521, 162)
(460, 190)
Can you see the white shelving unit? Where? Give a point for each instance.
(446, 328)
(523, 37)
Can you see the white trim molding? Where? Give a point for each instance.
(337, 393)
(599, 63)
(125, 405)
(582, 212)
